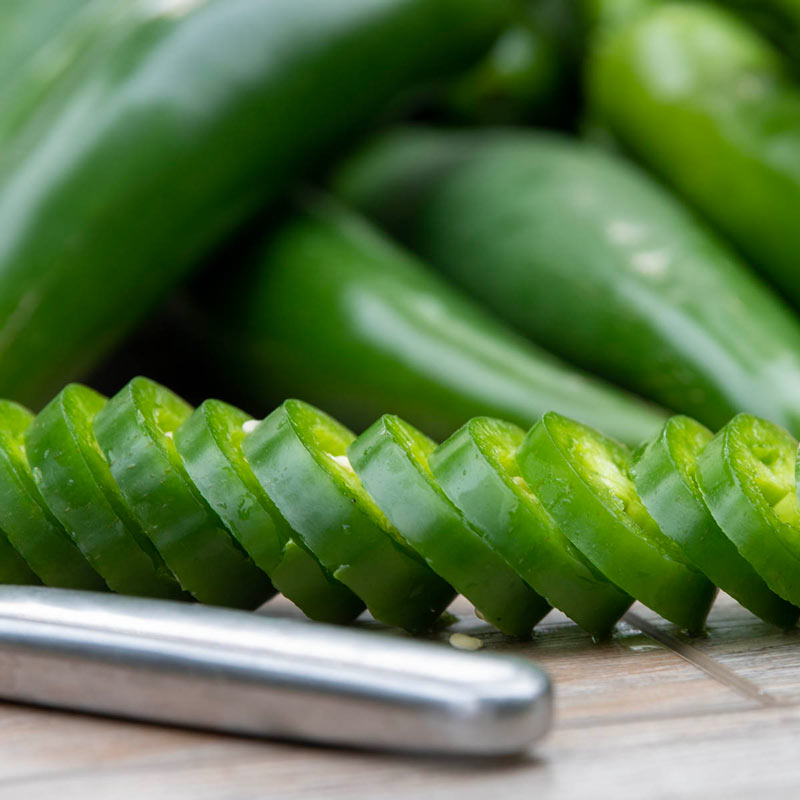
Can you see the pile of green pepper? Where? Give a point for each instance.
(368, 239)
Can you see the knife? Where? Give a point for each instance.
(246, 673)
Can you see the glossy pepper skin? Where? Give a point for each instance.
(26, 27)
(778, 20)
(332, 311)
(531, 75)
(709, 106)
(590, 258)
(153, 128)
(387, 519)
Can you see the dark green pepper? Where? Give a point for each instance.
(709, 105)
(592, 259)
(332, 311)
(150, 130)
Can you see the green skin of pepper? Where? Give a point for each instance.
(210, 444)
(518, 528)
(134, 431)
(770, 544)
(531, 73)
(653, 572)
(166, 129)
(26, 29)
(571, 231)
(334, 522)
(26, 520)
(332, 311)
(733, 117)
(78, 488)
(675, 502)
(390, 459)
(778, 20)
(13, 568)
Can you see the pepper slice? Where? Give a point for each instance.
(13, 568)
(583, 479)
(135, 432)
(298, 453)
(477, 469)
(747, 476)
(78, 488)
(210, 444)
(664, 472)
(25, 518)
(391, 460)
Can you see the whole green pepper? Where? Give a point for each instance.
(152, 129)
(591, 259)
(708, 104)
(332, 311)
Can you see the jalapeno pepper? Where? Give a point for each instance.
(584, 480)
(709, 105)
(665, 477)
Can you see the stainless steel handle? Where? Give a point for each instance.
(247, 673)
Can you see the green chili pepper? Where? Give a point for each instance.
(478, 470)
(135, 431)
(389, 519)
(664, 476)
(391, 460)
(593, 260)
(747, 477)
(709, 105)
(146, 131)
(332, 311)
(584, 481)
(299, 454)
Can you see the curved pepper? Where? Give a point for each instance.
(332, 311)
(150, 130)
(591, 259)
(708, 104)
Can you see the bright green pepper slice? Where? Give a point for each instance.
(298, 453)
(664, 472)
(583, 479)
(391, 460)
(747, 476)
(210, 444)
(477, 469)
(135, 431)
(25, 518)
(78, 488)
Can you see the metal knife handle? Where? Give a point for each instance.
(246, 673)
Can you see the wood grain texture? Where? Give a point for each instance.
(650, 714)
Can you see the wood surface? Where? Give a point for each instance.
(650, 714)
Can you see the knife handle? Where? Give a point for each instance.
(245, 673)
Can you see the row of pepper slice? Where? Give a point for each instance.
(142, 494)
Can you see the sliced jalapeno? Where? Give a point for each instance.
(584, 480)
(664, 472)
(135, 431)
(391, 460)
(76, 483)
(25, 518)
(299, 454)
(747, 476)
(477, 468)
(210, 444)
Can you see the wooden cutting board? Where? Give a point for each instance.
(649, 714)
